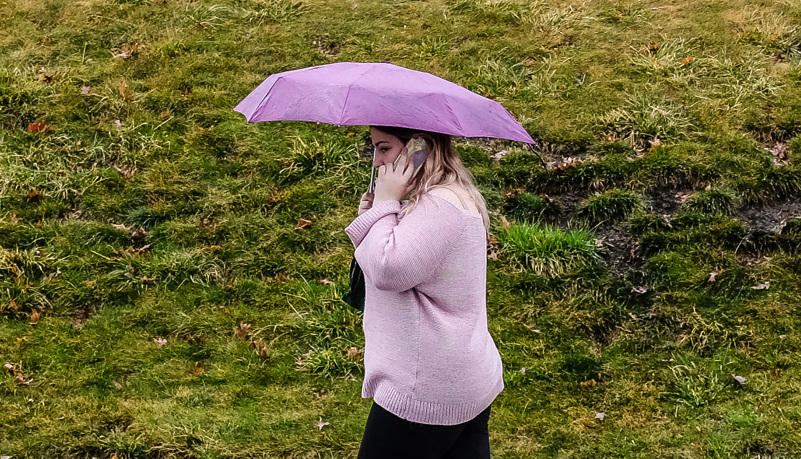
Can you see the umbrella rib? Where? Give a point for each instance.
(261, 105)
(454, 117)
(345, 104)
(347, 94)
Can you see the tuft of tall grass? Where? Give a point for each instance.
(260, 12)
(546, 251)
(611, 206)
(647, 118)
(773, 31)
(492, 11)
(531, 208)
(694, 385)
(692, 230)
(666, 58)
(715, 201)
(519, 168)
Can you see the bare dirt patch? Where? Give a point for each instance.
(769, 218)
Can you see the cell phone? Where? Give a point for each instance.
(418, 150)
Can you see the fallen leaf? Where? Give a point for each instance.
(116, 384)
(687, 60)
(126, 51)
(499, 156)
(261, 349)
(600, 416)
(197, 368)
(85, 90)
(355, 352)
(13, 306)
(165, 114)
(739, 379)
(137, 233)
(303, 223)
(282, 277)
(780, 152)
(782, 336)
(506, 223)
(46, 77)
(683, 196)
(762, 286)
(34, 317)
(320, 424)
(126, 171)
(242, 330)
(160, 342)
(568, 162)
(126, 95)
(589, 383)
(639, 290)
(492, 255)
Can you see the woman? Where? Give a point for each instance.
(431, 365)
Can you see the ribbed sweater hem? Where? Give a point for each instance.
(406, 407)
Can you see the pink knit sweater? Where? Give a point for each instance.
(429, 357)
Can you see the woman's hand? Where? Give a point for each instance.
(393, 182)
(366, 202)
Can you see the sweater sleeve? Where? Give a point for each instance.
(400, 253)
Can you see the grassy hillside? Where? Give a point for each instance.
(170, 275)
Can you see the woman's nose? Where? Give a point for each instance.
(379, 160)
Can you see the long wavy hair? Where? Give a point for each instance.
(441, 168)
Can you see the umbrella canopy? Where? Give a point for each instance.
(379, 94)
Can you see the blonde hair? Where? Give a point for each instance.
(441, 168)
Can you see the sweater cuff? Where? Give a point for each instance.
(359, 227)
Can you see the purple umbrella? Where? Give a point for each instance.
(379, 94)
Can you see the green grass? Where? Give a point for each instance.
(170, 275)
(548, 252)
(610, 206)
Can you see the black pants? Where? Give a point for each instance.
(387, 436)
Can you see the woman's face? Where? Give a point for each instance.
(387, 147)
